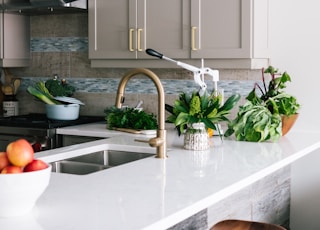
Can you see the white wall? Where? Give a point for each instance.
(295, 48)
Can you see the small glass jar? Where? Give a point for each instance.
(10, 106)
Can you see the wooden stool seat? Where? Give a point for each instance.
(244, 225)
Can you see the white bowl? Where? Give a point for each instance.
(63, 112)
(19, 192)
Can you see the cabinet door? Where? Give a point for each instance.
(123, 29)
(164, 26)
(111, 26)
(227, 33)
(220, 29)
(15, 40)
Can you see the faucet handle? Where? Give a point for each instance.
(140, 140)
(153, 142)
(156, 141)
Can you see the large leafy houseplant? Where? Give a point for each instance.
(274, 97)
(208, 108)
(255, 122)
(260, 118)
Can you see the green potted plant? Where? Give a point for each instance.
(265, 116)
(190, 110)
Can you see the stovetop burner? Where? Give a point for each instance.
(38, 120)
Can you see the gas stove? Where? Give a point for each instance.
(37, 129)
(38, 120)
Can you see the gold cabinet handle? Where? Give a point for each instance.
(193, 39)
(139, 40)
(130, 40)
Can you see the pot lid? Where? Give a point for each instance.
(69, 100)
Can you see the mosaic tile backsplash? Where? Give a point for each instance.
(146, 86)
(59, 44)
(109, 85)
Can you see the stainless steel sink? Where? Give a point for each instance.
(97, 161)
(78, 168)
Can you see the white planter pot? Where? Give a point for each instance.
(196, 137)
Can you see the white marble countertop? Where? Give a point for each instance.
(91, 130)
(154, 193)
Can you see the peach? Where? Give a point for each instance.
(35, 165)
(4, 161)
(20, 152)
(11, 169)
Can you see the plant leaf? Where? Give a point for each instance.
(230, 103)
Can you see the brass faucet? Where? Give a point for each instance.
(160, 141)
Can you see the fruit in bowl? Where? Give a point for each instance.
(23, 179)
(35, 165)
(4, 161)
(20, 152)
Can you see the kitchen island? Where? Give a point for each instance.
(155, 193)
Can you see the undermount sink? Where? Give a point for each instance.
(97, 161)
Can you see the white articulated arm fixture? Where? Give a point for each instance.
(198, 73)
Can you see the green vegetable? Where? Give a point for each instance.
(58, 88)
(46, 91)
(285, 104)
(42, 87)
(44, 97)
(130, 118)
(276, 100)
(255, 123)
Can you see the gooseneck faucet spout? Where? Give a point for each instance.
(160, 141)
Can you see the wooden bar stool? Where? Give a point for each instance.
(244, 225)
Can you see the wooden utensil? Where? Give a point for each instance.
(7, 89)
(16, 85)
(8, 76)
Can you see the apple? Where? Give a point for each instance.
(36, 147)
(4, 161)
(20, 152)
(35, 165)
(11, 169)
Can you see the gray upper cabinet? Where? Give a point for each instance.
(109, 29)
(226, 33)
(230, 29)
(164, 27)
(15, 40)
